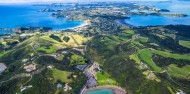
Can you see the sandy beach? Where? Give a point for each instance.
(82, 25)
(85, 23)
(115, 89)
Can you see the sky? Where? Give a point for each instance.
(28, 1)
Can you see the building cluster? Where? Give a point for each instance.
(91, 75)
(30, 67)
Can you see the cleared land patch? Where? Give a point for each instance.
(184, 43)
(146, 56)
(104, 79)
(183, 72)
(135, 57)
(61, 75)
(47, 49)
(47, 38)
(4, 53)
(170, 55)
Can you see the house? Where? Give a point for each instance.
(30, 67)
(50, 66)
(180, 92)
(24, 60)
(81, 67)
(74, 76)
(66, 87)
(143, 65)
(55, 55)
(37, 45)
(64, 52)
(151, 75)
(97, 67)
(32, 54)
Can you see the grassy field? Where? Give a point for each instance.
(80, 39)
(170, 55)
(135, 57)
(61, 75)
(125, 36)
(74, 39)
(129, 31)
(184, 43)
(153, 77)
(60, 57)
(138, 43)
(183, 72)
(4, 43)
(48, 50)
(4, 53)
(104, 79)
(137, 60)
(47, 38)
(77, 60)
(170, 89)
(146, 56)
(142, 39)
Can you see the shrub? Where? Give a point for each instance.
(66, 39)
(55, 37)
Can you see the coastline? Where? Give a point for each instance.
(115, 89)
(122, 22)
(85, 23)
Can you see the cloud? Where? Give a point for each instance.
(44, 1)
(28, 1)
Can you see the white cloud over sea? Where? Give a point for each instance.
(44, 1)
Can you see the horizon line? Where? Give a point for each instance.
(73, 1)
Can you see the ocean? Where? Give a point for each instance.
(12, 16)
(174, 6)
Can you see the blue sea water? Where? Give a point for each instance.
(12, 16)
(100, 91)
(174, 6)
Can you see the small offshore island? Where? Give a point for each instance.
(101, 55)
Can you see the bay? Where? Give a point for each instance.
(175, 6)
(12, 16)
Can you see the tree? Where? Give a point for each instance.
(1, 45)
(76, 59)
(66, 39)
(55, 37)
